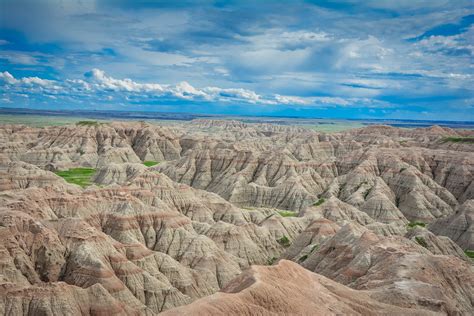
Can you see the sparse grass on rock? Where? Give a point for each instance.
(319, 202)
(469, 253)
(303, 258)
(421, 241)
(416, 223)
(313, 248)
(284, 241)
(285, 213)
(272, 260)
(78, 176)
(150, 163)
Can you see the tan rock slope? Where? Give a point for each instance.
(151, 245)
(458, 226)
(288, 289)
(227, 200)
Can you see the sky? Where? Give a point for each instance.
(404, 59)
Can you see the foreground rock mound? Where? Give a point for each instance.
(288, 289)
(399, 270)
(151, 245)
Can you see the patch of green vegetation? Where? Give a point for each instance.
(150, 163)
(78, 176)
(303, 258)
(415, 223)
(319, 202)
(420, 240)
(284, 213)
(272, 260)
(313, 248)
(467, 139)
(87, 123)
(403, 169)
(284, 241)
(469, 253)
(366, 194)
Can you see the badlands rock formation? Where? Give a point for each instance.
(234, 219)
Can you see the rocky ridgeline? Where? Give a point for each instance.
(373, 220)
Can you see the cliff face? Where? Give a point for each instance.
(225, 202)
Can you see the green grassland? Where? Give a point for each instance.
(416, 223)
(285, 213)
(319, 202)
(150, 163)
(78, 176)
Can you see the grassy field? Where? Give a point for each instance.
(78, 176)
(40, 120)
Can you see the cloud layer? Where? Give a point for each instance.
(386, 59)
(98, 86)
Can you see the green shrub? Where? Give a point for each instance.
(284, 241)
(313, 248)
(303, 258)
(78, 176)
(319, 202)
(150, 163)
(469, 253)
(416, 223)
(366, 194)
(284, 213)
(420, 240)
(272, 260)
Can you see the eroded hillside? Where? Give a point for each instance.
(206, 215)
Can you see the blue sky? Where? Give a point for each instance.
(358, 59)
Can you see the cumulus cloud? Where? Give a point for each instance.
(29, 81)
(98, 86)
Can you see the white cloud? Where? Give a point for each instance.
(102, 81)
(292, 100)
(98, 86)
(453, 43)
(9, 79)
